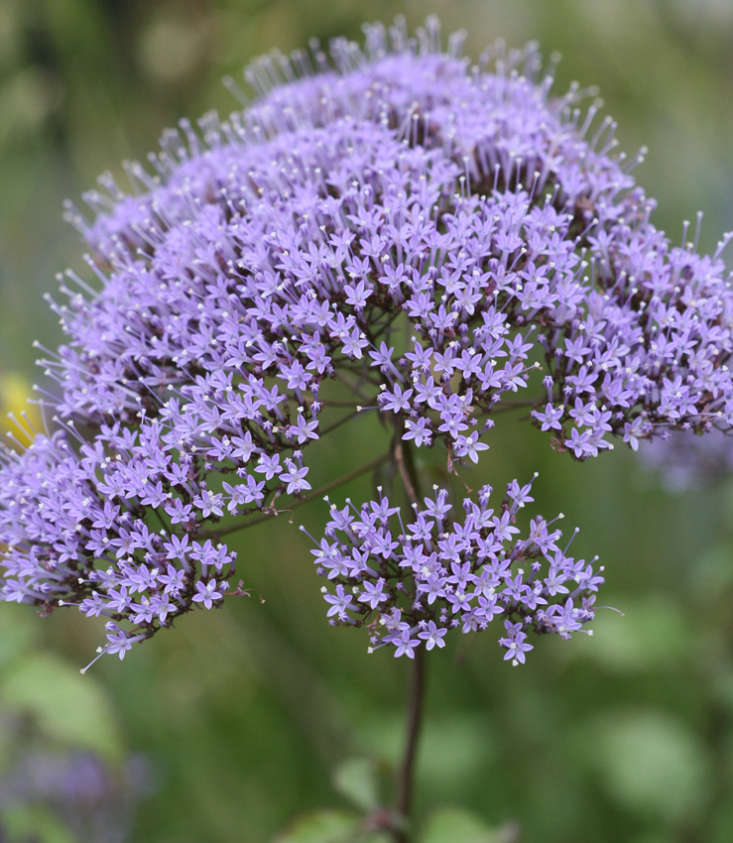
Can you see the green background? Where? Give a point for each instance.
(246, 714)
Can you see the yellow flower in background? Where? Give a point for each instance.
(15, 390)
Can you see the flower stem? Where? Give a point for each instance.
(405, 778)
(295, 502)
(403, 459)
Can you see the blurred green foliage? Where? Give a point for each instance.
(250, 713)
(64, 773)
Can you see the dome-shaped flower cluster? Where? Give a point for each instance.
(439, 572)
(433, 234)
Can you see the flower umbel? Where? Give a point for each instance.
(396, 190)
(442, 572)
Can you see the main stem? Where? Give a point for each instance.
(403, 459)
(405, 779)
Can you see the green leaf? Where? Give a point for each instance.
(327, 825)
(66, 705)
(448, 824)
(650, 763)
(357, 780)
(27, 822)
(330, 825)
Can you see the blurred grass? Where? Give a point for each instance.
(247, 711)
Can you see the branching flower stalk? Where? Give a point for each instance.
(416, 692)
(387, 227)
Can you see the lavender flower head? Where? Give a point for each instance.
(450, 237)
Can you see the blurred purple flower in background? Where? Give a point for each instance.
(85, 793)
(95, 803)
(685, 461)
(443, 241)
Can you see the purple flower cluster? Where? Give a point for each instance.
(431, 234)
(410, 584)
(95, 801)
